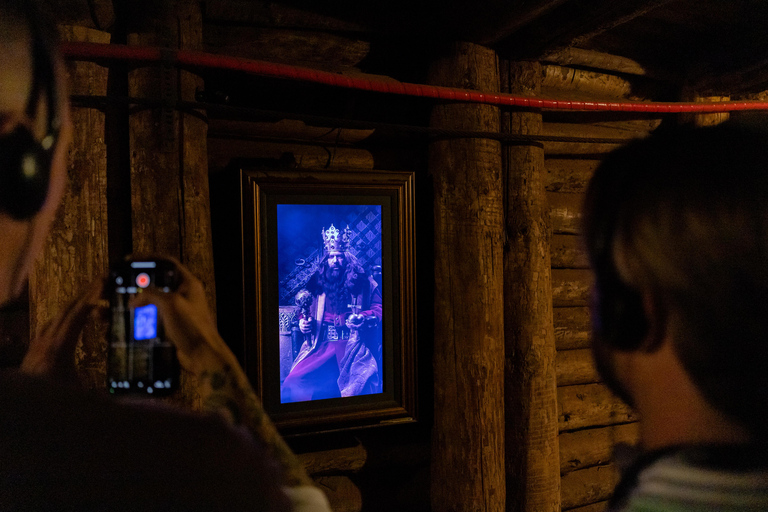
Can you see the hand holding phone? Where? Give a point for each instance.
(140, 359)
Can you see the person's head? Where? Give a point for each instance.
(676, 227)
(337, 263)
(34, 137)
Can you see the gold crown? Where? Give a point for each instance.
(335, 240)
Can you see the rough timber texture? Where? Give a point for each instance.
(570, 287)
(568, 175)
(588, 485)
(169, 171)
(565, 212)
(296, 47)
(568, 252)
(467, 441)
(572, 329)
(533, 479)
(575, 367)
(76, 251)
(296, 156)
(589, 405)
(593, 446)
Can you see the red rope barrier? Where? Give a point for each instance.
(97, 52)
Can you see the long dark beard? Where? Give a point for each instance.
(336, 292)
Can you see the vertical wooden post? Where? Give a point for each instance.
(532, 453)
(76, 251)
(169, 172)
(468, 436)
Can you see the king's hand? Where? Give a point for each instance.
(355, 321)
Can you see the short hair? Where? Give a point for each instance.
(687, 210)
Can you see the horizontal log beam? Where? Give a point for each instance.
(587, 486)
(590, 405)
(572, 327)
(273, 14)
(299, 47)
(96, 14)
(626, 121)
(350, 459)
(570, 24)
(586, 82)
(575, 367)
(576, 129)
(594, 446)
(343, 495)
(570, 287)
(578, 149)
(600, 506)
(297, 156)
(565, 212)
(567, 251)
(596, 60)
(285, 129)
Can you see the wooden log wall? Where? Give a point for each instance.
(591, 420)
(76, 251)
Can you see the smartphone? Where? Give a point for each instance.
(140, 359)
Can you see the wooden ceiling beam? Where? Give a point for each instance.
(571, 24)
(98, 14)
(271, 14)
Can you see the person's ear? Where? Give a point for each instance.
(656, 317)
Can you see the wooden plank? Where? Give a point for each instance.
(570, 287)
(76, 251)
(297, 47)
(635, 122)
(345, 460)
(533, 478)
(587, 486)
(291, 129)
(600, 506)
(272, 14)
(91, 14)
(567, 251)
(575, 367)
(572, 327)
(565, 212)
(342, 493)
(295, 156)
(468, 433)
(578, 149)
(594, 446)
(569, 24)
(590, 405)
(586, 82)
(596, 60)
(561, 129)
(569, 175)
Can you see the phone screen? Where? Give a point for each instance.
(140, 358)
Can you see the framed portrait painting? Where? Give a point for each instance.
(328, 272)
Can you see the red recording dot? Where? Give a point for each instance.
(142, 280)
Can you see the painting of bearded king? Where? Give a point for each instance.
(329, 259)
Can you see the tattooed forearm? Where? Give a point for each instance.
(228, 390)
